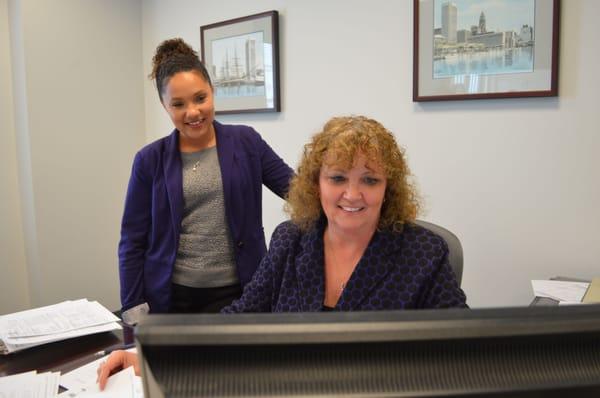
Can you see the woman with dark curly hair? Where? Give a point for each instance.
(351, 244)
(191, 235)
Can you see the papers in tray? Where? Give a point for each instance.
(61, 321)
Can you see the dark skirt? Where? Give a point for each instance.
(187, 300)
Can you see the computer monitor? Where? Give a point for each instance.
(532, 351)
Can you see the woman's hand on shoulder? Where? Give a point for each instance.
(115, 362)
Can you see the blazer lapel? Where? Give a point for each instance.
(309, 270)
(225, 149)
(173, 179)
(374, 266)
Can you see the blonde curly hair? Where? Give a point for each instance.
(339, 143)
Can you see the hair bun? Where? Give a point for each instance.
(167, 49)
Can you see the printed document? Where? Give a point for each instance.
(560, 290)
(61, 321)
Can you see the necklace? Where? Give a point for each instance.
(195, 166)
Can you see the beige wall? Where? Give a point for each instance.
(14, 286)
(77, 90)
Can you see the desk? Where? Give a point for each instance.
(64, 355)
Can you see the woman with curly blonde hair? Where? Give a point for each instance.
(342, 139)
(351, 244)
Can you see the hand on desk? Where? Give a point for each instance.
(115, 362)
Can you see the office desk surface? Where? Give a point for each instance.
(65, 355)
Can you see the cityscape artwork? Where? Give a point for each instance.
(242, 59)
(238, 66)
(483, 37)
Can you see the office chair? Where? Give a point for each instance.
(455, 252)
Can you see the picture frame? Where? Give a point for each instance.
(241, 56)
(479, 49)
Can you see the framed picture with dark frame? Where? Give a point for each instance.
(475, 49)
(242, 58)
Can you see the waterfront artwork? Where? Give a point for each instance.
(238, 66)
(483, 37)
(242, 58)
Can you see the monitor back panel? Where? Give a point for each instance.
(551, 365)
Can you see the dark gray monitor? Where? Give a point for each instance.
(533, 352)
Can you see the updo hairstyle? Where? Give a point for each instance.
(173, 56)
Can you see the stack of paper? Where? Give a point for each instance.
(56, 322)
(564, 292)
(30, 385)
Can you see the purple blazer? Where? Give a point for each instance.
(154, 204)
(397, 271)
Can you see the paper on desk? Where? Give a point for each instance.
(52, 383)
(51, 323)
(560, 290)
(80, 379)
(35, 340)
(12, 385)
(59, 318)
(570, 303)
(30, 385)
(124, 384)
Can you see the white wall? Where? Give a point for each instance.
(78, 120)
(516, 180)
(14, 286)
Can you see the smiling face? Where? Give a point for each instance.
(188, 99)
(352, 199)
